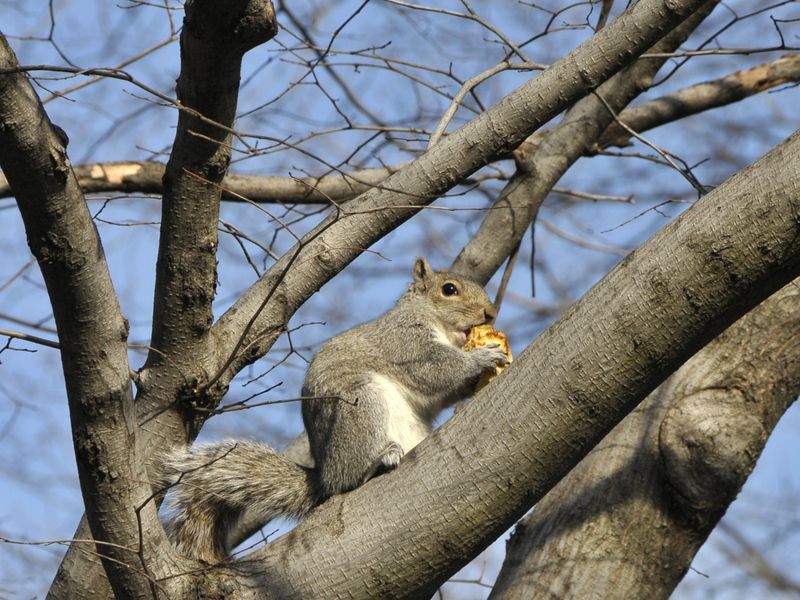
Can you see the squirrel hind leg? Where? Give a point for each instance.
(352, 443)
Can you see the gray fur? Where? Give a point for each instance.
(373, 392)
(224, 492)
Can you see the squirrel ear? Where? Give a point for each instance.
(421, 271)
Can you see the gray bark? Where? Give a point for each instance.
(213, 41)
(627, 521)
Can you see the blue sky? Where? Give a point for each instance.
(113, 120)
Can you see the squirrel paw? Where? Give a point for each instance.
(391, 455)
(387, 460)
(489, 356)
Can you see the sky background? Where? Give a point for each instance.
(576, 242)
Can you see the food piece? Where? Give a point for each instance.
(483, 335)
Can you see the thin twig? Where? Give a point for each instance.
(470, 84)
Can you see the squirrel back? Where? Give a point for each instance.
(370, 395)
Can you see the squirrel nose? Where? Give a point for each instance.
(490, 313)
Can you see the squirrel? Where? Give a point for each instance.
(369, 396)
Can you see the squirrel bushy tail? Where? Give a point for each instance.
(221, 493)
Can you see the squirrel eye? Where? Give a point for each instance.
(449, 289)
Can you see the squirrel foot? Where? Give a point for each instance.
(388, 459)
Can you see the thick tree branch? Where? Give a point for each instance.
(214, 39)
(91, 330)
(504, 450)
(627, 521)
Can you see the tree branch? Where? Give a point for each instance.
(146, 177)
(628, 520)
(91, 330)
(214, 39)
(703, 96)
(504, 450)
(30, 338)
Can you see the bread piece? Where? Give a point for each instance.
(483, 335)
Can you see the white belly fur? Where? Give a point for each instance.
(404, 426)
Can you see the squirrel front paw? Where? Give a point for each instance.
(489, 356)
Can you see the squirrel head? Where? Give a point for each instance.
(456, 303)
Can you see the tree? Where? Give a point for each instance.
(406, 533)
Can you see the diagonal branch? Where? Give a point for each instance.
(91, 330)
(628, 520)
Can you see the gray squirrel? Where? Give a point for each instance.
(370, 395)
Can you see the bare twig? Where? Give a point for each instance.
(30, 338)
(471, 84)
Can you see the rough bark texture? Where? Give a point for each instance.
(214, 39)
(500, 129)
(91, 329)
(628, 519)
(487, 465)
